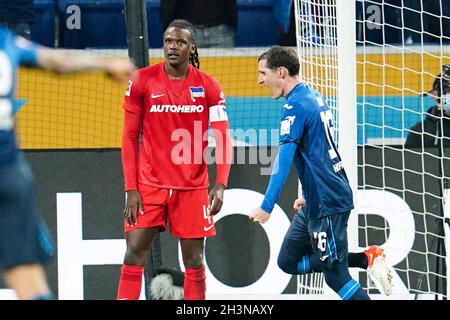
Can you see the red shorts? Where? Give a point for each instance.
(186, 210)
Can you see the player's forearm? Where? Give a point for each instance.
(130, 149)
(224, 151)
(279, 175)
(129, 162)
(58, 61)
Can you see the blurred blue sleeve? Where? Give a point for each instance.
(280, 172)
(17, 104)
(26, 50)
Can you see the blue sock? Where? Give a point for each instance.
(311, 263)
(360, 294)
(304, 267)
(352, 291)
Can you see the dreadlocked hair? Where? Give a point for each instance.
(184, 24)
(193, 58)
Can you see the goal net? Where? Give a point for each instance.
(401, 198)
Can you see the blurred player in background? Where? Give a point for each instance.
(214, 21)
(317, 238)
(24, 240)
(168, 107)
(18, 16)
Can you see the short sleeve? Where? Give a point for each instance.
(292, 123)
(27, 51)
(134, 96)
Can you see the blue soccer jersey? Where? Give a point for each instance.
(306, 139)
(13, 52)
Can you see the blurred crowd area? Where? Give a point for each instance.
(254, 23)
(80, 24)
(407, 22)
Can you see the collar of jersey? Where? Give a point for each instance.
(300, 84)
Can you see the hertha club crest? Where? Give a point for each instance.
(197, 92)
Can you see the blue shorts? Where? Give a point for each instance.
(326, 236)
(24, 238)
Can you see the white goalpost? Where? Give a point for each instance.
(376, 67)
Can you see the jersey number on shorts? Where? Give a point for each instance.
(321, 240)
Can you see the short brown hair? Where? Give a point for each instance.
(279, 56)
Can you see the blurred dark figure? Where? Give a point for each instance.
(400, 21)
(18, 15)
(315, 26)
(215, 21)
(25, 243)
(435, 128)
(416, 12)
(284, 15)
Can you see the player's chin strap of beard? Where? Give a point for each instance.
(167, 284)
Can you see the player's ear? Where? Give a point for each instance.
(283, 72)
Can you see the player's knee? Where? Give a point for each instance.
(286, 265)
(136, 255)
(193, 260)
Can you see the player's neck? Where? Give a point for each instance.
(290, 84)
(176, 73)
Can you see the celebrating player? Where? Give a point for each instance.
(317, 238)
(167, 108)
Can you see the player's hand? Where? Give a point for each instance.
(132, 206)
(258, 215)
(298, 203)
(215, 199)
(120, 70)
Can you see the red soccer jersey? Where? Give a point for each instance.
(174, 117)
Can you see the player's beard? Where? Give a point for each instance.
(175, 64)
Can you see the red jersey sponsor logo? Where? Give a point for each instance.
(174, 108)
